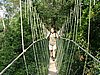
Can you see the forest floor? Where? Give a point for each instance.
(52, 68)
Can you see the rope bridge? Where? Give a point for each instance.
(67, 51)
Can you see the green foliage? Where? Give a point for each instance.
(52, 12)
(94, 33)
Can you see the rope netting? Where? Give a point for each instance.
(35, 58)
(69, 54)
(72, 59)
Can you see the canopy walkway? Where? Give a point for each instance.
(52, 68)
(68, 47)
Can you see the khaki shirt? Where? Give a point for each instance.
(52, 38)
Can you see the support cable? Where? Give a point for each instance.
(19, 56)
(82, 49)
(88, 38)
(22, 35)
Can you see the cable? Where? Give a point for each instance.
(25, 8)
(88, 38)
(70, 44)
(31, 20)
(22, 35)
(19, 56)
(83, 50)
(77, 14)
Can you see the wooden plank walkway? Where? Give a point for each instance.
(52, 68)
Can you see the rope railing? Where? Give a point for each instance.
(65, 63)
(67, 45)
(39, 42)
(19, 56)
(70, 46)
(97, 60)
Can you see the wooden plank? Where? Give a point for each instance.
(52, 68)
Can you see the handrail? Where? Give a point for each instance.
(19, 56)
(82, 49)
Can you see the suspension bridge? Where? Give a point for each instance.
(67, 46)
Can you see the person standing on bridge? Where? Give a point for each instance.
(52, 36)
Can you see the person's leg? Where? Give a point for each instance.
(51, 50)
(54, 51)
